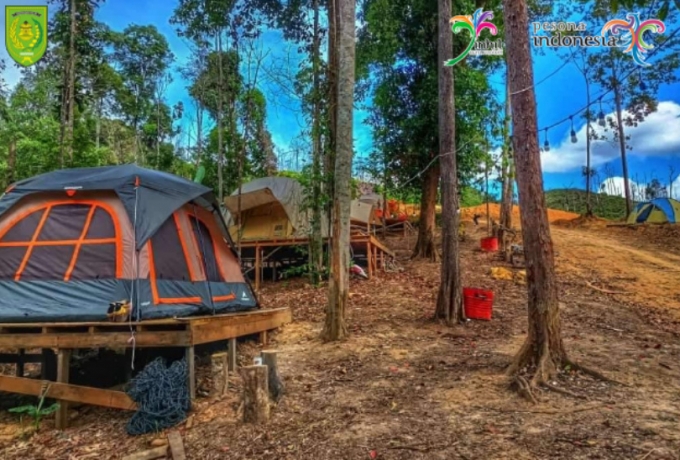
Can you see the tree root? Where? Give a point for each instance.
(524, 389)
(605, 291)
(552, 387)
(595, 374)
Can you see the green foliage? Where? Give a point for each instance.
(37, 412)
(574, 200)
(470, 196)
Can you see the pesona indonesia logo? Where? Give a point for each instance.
(626, 33)
(634, 35)
(475, 24)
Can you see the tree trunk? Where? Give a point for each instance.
(508, 178)
(220, 114)
(11, 163)
(316, 242)
(622, 146)
(543, 349)
(449, 300)
(589, 208)
(199, 134)
(338, 287)
(158, 132)
(71, 80)
(425, 245)
(332, 103)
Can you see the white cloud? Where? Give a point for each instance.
(657, 136)
(614, 186)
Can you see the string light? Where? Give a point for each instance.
(600, 116)
(643, 87)
(546, 144)
(573, 133)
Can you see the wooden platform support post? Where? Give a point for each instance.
(231, 352)
(48, 365)
(190, 356)
(263, 338)
(20, 363)
(63, 367)
(369, 260)
(255, 394)
(258, 268)
(270, 359)
(375, 258)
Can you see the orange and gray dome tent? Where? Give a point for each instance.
(75, 240)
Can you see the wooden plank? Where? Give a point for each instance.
(216, 330)
(176, 446)
(151, 454)
(231, 355)
(258, 268)
(63, 374)
(68, 392)
(191, 368)
(96, 340)
(369, 260)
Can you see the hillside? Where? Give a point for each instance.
(574, 200)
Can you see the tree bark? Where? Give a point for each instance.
(255, 394)
(316, 242)
(11, 164)
(589, 208)
(338, 287)
(543, 349)
(622, 145)
(220, 116)
(276, 388)
(508, 177)
(425, 245)
(71, 80)
(332, 76)
(449, 301)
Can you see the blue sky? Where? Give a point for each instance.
(656, 142)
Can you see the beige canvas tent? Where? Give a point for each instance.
(272, 208)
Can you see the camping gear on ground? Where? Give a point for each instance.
(119, 312)
(656, 211)
(358, 271)
(74, 239)
(478, 303)
(489, 244)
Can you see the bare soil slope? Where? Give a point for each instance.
(403, 387)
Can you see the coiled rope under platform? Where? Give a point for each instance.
(162, 397)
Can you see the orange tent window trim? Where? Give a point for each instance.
(214, 245)
(157, 299)
(94, 204)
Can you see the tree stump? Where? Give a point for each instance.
(255, 394)
(270, 359)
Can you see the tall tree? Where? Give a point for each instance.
(507, 176)
(338, 287)
(543, 351)
(449, 299)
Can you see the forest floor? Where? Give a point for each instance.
(404, 387)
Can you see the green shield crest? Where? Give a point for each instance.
(26, 33)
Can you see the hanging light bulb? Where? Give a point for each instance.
(643, 87)
(600, 116)
(573, 133)
(546, 144)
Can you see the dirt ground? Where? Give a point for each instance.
(404, 387)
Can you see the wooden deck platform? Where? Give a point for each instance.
(376, 252)
(172, 332)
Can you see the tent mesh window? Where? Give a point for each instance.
(169, 265)
(60, 242)
(206, 248)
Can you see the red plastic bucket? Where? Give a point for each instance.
(478, 303)
(490, 244)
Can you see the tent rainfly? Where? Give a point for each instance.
(272, 208)
(656, 211)
(73, 241)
